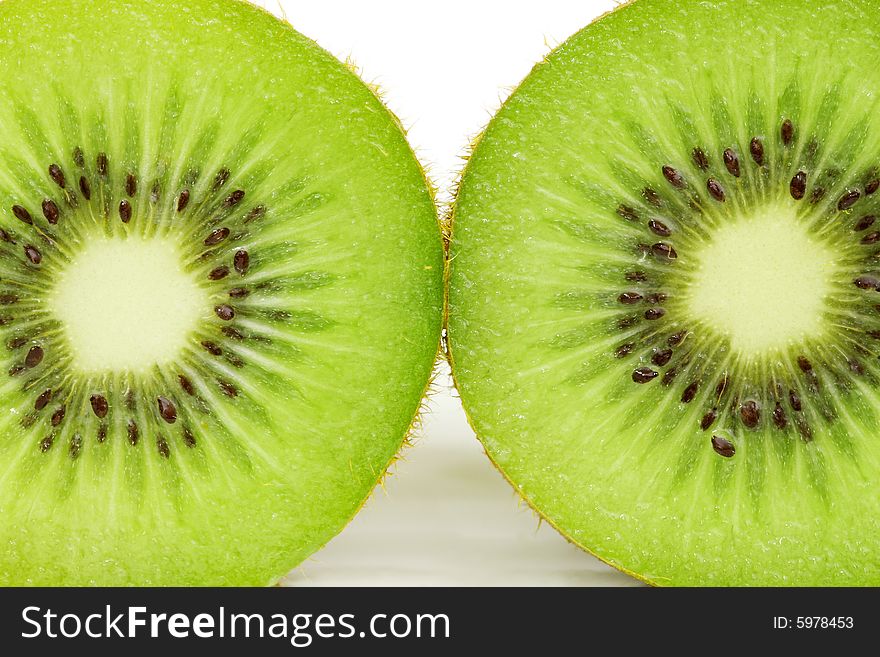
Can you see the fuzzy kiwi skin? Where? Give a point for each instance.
(296, 457)
(805, 519)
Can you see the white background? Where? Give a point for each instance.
(445, 516)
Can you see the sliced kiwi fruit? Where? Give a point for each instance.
(664, 316)
(220, 293)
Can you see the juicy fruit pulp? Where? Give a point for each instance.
(221, 288)
(663, 315)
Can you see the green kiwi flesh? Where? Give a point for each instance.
(220, 293)
(664, 320)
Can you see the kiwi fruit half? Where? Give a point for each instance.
(221, 286)
(664, 316)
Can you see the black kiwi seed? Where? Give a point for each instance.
(722, 386)
(33, 254)
(795, 400)
(257, 212)
(75, 445)
(167, 410)
(652, 197)
(654, 313)
(723, 447)
(8, 299)
(186, 384)
(871, 238)
(644, 375)
(102, 433)
(655, 298)
(57, 175)
(866, 283)
(779, 418)
(131, 185)
(224, 312)
(217, 235)
(46, 443)
(228, 389)
(133, 433)
(232, 332)
(676, 338)
(188, 439)
(629, 298)
(183, 200)
(211, 348)
(674, 177)
(798, 185)
(624, 350)
(34, 357)
(750, 414)
(864, 223)
(221, 178)
(669, 376)
(715, 190)
(6, 237)
(700, 159)
(708, 419)
(85, 188)
(99, 405)
(50, 211)
(22, 214)
(659, 228)
(803, 428)
(804, 364)
(663, 250)
(690, 392)
(872, 187)
(241, 261)
(636, 276)
(756, 148)
(787, 132)
(218, 272)
(44, 398)
(124, 211)
(817, 195)
(627, 213)
(17, 343)
(234, 198)
(101, 162)
(239, 292)
(848, 200)
(58, 415)
(661, 357)
(731, 161)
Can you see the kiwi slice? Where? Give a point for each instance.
(664, 315)
(220, 293)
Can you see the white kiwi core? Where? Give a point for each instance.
(127, 304)
(763, 282)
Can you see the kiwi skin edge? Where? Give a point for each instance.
(448, 226)
(430, 387)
